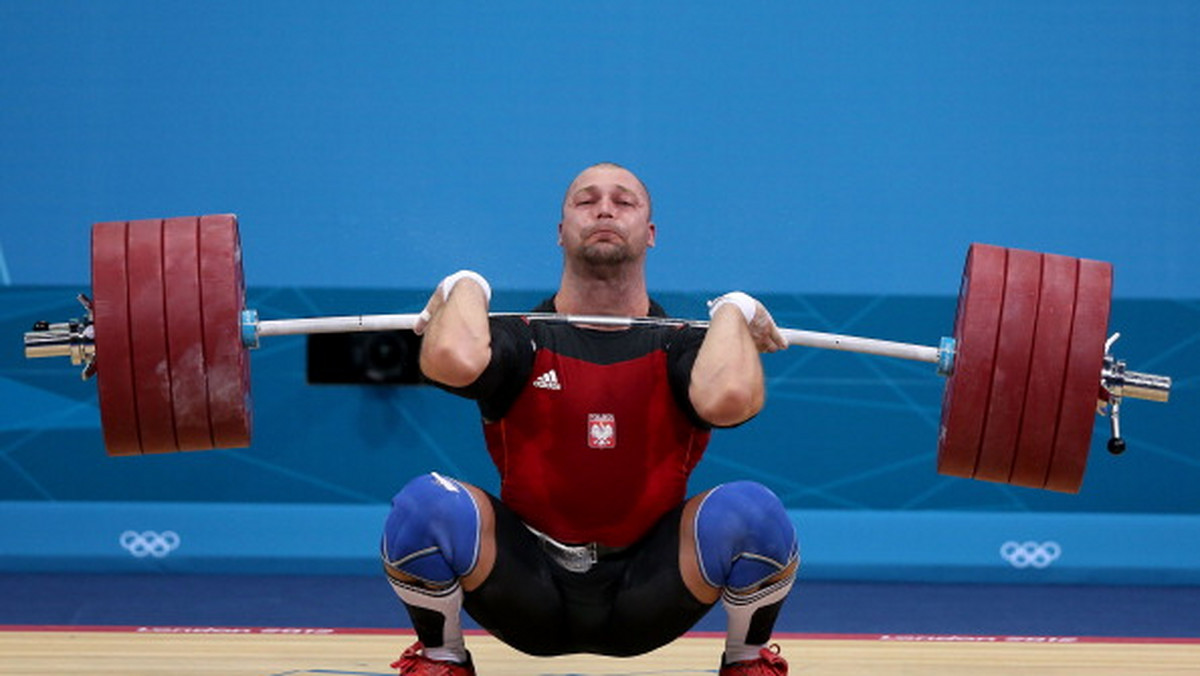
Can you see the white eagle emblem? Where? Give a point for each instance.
(602, 430)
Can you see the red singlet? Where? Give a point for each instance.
(591, 430)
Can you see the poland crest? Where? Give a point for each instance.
(602, 430)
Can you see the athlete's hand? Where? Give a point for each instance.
(442, 294)
(767, 336)
(436, 300)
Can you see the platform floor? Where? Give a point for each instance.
(165, 625)
(231, 652)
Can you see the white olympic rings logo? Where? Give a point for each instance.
(1030, 554)
(150, 543)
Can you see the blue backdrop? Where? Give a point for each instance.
(849, 147)
(834, 158)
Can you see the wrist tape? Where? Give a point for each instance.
(448, 283)
(743, 301)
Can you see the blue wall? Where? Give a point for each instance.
(835, 158)
(819, 147)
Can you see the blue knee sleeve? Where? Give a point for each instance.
(432, 532)
(743, 535)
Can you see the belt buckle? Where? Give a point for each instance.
(578, 559)
(573, 558)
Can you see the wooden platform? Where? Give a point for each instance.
(228, 651)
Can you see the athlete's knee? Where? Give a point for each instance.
(744, 536)
(432, 531)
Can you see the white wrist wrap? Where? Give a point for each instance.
(744, 302)
(448, 283)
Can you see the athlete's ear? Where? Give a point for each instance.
(653, 233)
(560, 233)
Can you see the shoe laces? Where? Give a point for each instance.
(772, 656)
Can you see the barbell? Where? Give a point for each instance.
(167, 335)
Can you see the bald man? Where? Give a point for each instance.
(593, 545)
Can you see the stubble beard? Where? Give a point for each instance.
(605, 261)
(606, 255)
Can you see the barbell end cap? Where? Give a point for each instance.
(250, 329)
(946, 351)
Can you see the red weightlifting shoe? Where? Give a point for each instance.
(769, 663)
(413, 663)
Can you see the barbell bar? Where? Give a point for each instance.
(254, 328)
(168, 336)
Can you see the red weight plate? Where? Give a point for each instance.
(1081, 387)
(976, 326)
(185, 334)
(1043, 395)
(114, 368)
(1010, 369)
(148, 337)
(223, 292)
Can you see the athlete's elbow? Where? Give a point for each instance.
(453, 365)
(729, 405)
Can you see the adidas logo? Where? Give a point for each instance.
(548, 381)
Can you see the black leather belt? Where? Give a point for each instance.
(575, 558)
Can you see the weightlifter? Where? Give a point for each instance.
(593, 545)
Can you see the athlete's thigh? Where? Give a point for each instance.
(654, 606)
(519, 602)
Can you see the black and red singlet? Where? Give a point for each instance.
(591, 430)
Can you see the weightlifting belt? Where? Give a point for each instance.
(574, 558)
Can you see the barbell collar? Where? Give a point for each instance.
(1121, 382)
(75, 339)
(946, 351)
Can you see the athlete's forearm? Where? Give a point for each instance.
(456, 346)
(727, 385)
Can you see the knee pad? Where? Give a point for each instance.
(743, 536)
(432, 532)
